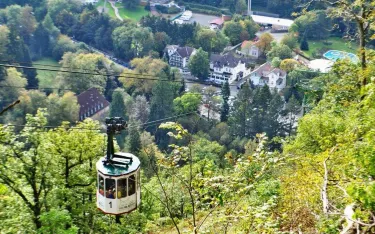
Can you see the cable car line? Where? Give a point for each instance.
(62, 67)
(152, 78)
(147, 124)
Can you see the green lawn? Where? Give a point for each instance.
(135, 14)
(335, 43)
(108, 6)
(46, 78)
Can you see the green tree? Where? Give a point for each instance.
(276, 61)
(233, 31)
(131, 4)
(4, 41)
(12, 78)
(304, 44)
(241, 6)
(147, 66)
(292, 109)
(265, 42)
(56, 221)
(161, 40)
(288, 65)
(279, 50)
(290, 40)
(189, 102)
(272, 125)
(163, 94)
(65, 108)
(63, 44)
(34, 173)
(199, 64)
(134, 140)
(117, 107)
(225, 94)
(140, 110)
(90, 62)
(240, 118)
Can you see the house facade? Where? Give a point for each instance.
(275, 78)
(249, 48)
(92, 104)
(218, 23)
(227, 68)
(179, 56)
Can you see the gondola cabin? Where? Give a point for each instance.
(119, 186)
(119, 189)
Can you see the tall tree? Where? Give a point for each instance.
(264, 42)
(140, 110)
(118, 109)
(131, 4)
(163, 94)
(134, 140)
(304, 44)
(225, 93)
(35, 173)
(90, 62)
(148, 66)
(240, 118)
(189, 102)
(199, 64)
(241, 6)
(60, 109)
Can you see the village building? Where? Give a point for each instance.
(277, 24)
(218, 23)
(92, 104)
(249, 48)
(265, 74)
(179, 56)
(227, 68)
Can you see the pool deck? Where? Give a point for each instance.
(337, 54)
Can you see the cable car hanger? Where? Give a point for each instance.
(114, 127)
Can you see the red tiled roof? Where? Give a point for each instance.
(246, 43)
(91, 102)
(218, 21)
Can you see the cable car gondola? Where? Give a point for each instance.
(119, 189)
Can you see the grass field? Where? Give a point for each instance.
(337, 44)
(135, 15)
(46, 78)
(110, 10)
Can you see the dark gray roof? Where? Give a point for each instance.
(91, 99)
(225, 60)
(185, 51)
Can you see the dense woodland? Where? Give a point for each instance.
(252, 171)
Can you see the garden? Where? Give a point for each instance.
(318, 48)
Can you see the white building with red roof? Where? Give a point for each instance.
(274, 77)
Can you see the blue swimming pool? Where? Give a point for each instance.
(336, 54)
